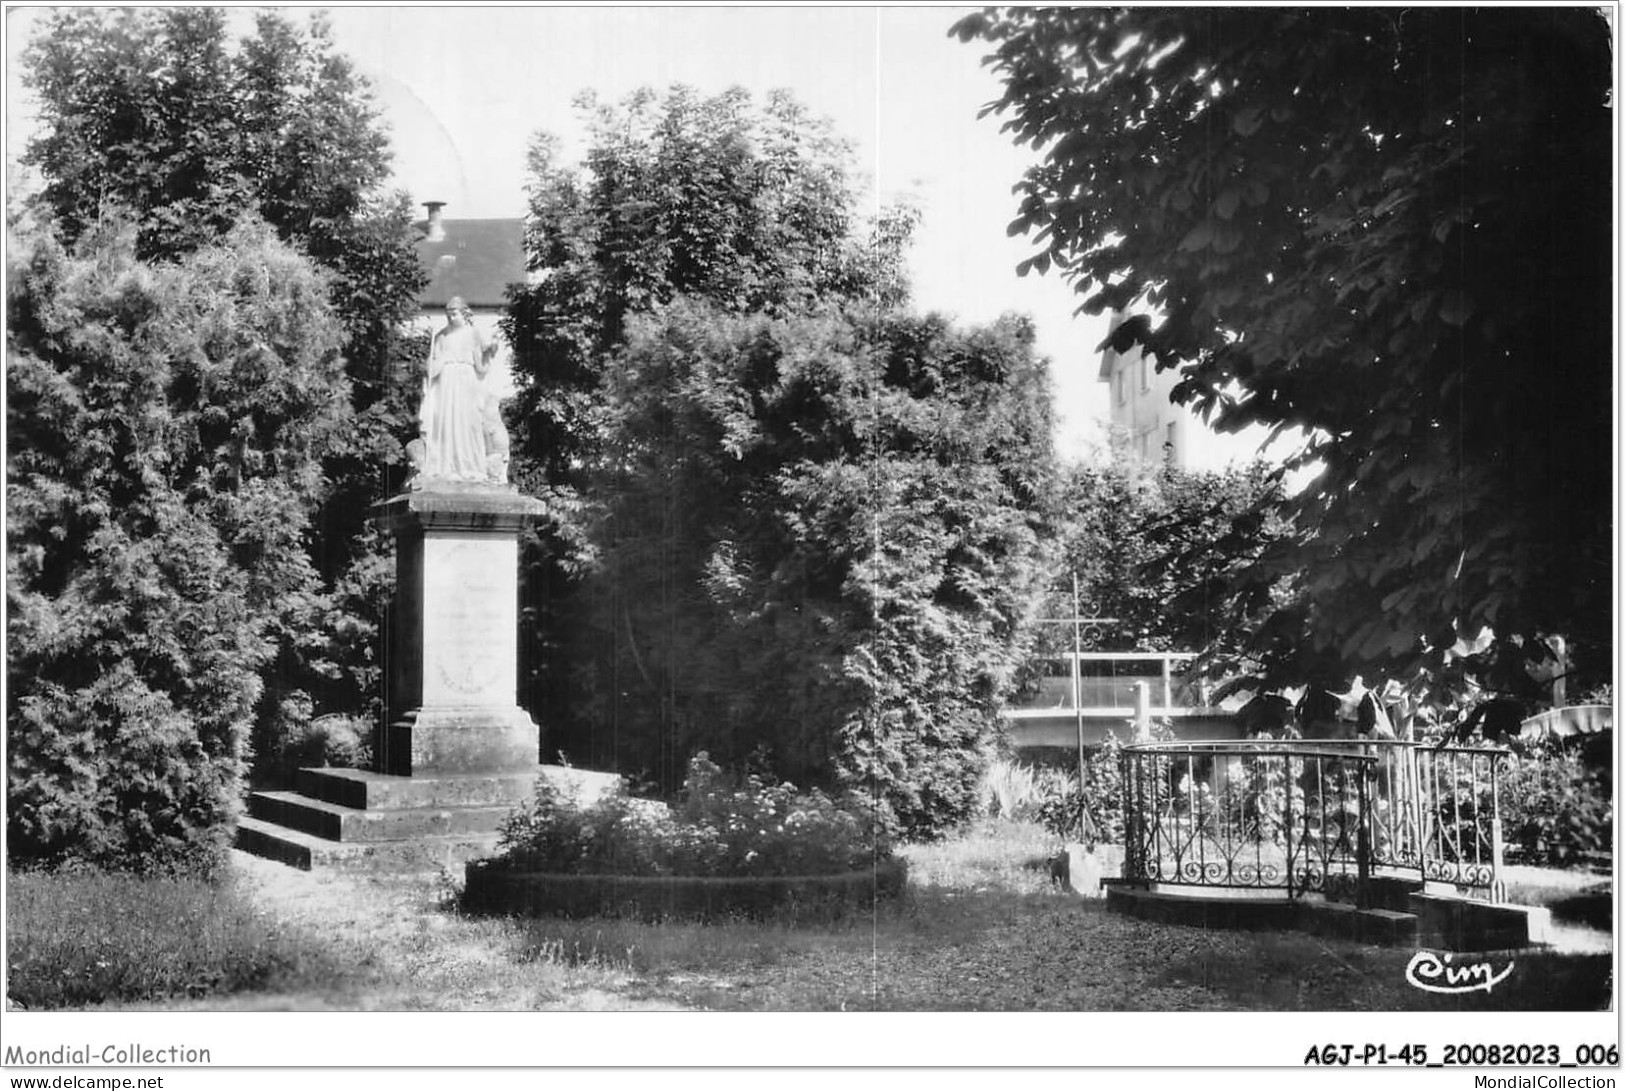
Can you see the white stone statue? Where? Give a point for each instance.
(463, 439)
(496, 439)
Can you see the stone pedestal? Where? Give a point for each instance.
(452, 666)
(458, 753)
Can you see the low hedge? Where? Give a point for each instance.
(493, 888)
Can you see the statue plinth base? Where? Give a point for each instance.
(458, 753)
(453, 666)
(441, 741)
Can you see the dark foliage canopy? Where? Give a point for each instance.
(820, 543)
(166, 425)
(1146, 544)
(795, 523)
(159, 118)
(1390, 228)
(750, 206)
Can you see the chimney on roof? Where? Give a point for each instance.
(437, 224)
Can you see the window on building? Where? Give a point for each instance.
(1145, 374)
(1122, 387)
(1169, 450)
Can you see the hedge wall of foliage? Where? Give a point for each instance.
(167, 422)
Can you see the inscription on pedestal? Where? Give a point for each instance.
(470, 621)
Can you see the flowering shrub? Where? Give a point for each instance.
(721, 825)
(1555, 810)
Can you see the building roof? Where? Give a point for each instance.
(476, 259)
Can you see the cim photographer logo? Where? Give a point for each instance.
(1441, 974)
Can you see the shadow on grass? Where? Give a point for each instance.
(920, 916)
(1292, 971)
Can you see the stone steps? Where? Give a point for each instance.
(1388, 892)
(1463, 924)
(366, 790)
(356, 819)
(336, 822)
(1394, 892)
(307, 852)
(1384, 927)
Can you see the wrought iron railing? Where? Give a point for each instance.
(1310, 817)
(1460, 817)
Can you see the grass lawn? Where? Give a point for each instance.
(82, 938)
(981, 928)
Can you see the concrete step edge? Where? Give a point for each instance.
(308, 852)
(368, 790)
(338, 823)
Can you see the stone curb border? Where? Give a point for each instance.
(491, 889)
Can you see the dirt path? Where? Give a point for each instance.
(402, 950)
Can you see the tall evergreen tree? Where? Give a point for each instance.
(819, 545)
(167, 421)
(157, 114)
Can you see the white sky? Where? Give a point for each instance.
(464, 89)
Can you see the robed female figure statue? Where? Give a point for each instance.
(454, 410)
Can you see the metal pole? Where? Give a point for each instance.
(1077, 678)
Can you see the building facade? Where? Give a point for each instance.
(1154, 429)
